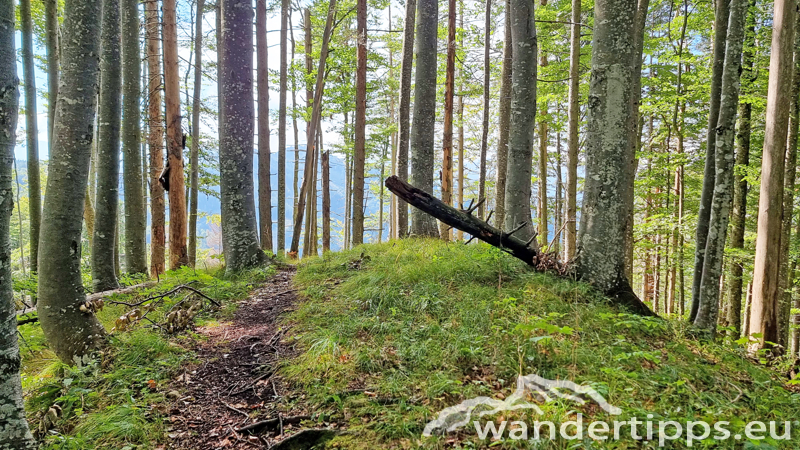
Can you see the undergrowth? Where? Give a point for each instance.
(392, 337)
(118, 401)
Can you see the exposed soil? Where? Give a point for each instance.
(235, 385)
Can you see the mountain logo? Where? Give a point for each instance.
(455, 417)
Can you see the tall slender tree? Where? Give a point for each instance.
(51, 36)
(31, 130)
(239, 230)
(155, 139)
(725, 129)
(765, 305)
(264, 175)
(505, 119)
(104, 274)
(282, 131)
(14, 434)
(359, 149)
(543, 232)
(135, 210)
(447, 139)
(424, 119)
(570, 236)
(73, 334)
(404, 112)
(487, 76)
(194, 159)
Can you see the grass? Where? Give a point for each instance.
(419, 325)
(118, 402)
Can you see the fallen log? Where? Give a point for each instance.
(506, 241)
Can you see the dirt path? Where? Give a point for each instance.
(234, 387)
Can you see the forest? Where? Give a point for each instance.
(305, 224)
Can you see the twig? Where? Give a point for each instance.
(471, 209)
(250, 385)
(519, 227)
(488, 218)
(272, 423)
(233, 408)
(470, 240)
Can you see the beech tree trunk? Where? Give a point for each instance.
(740, 188)
(155, 139)
(725, 130)
(104, 275)
(447, 136)
(543, 231)
(264, 171)
(570, 236)
(487, 67)
(178, 255)
(281, 230)
(359, 149)
(504, 121)
(765, 308)
(404, 113)
(71, 333)
(424, 123)
(602, 234)
(51, 35)
(704, 213)
(239, 229)
(31, 130)
(523, 113)
(194, 159)
(14, 433)
(135, 210)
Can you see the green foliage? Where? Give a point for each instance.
(423, 324)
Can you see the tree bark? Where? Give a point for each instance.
(523, 113)
(135, 210)
(264, 171)
(504, 120)
(194, 158)
(447, 136)
(281, 230)
(359, 149)
(31, 130)
(316, 114)
(326, 202)
(740, 188)
(574, 111)
(766, 304)
(704, 213)
(404, 113)
(104, 275)
(155, 139)
(15, 433)
(239, 230)
(72, 334)
(424, 123)
(543, 232)
(460, 109)
(601, 261)
(51, 35)
(487, 67)
(177, 197)
(785, 278)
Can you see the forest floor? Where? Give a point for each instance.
(235, 399)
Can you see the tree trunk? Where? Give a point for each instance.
(557, 220)
(487, 67)
(296, 171)
(523, 113)
(424, 123)
(740, 188)
(177, 197)
(404, 113)
(135, 210)
(725, 130)
(602, 233)
(704, 213)
(264, 175)
(766, 304)
(326, 201)
(282, 131)
(31, 130)
(504, 121)
(447, 136)
(359, 149)
(239, 230)
(72, 334)
(108, 138)
(194, 159)
(785, 278)
(51, 35)
(460, 109)
(316, 114)
(155, 139)
(543, 232)
(15, 433)
(573, 112)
